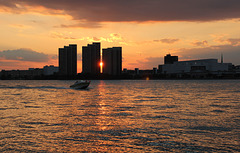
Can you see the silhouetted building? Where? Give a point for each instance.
(160, 67)
(91, 59)
(125, 70)
(31, 73)
(50, 70)
(137, 71)
(68, 60)
(112, 61)
(196, 68)
(154, 70)
(168, 59)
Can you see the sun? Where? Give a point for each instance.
(101, 67)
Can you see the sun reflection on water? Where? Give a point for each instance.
(120, 116)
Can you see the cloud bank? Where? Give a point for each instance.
(24, 55)
(230, 53)
(134, 10)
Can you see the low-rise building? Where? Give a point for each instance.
(22, 74)
(50, 70)
(200, 67)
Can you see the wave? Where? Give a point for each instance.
(31, 87)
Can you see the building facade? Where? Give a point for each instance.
(196, 67)
(68, 60)
(112, 61)
(50, 70)
(91, 59)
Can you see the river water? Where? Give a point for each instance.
(120, 116)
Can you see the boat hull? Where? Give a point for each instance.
(80, 85)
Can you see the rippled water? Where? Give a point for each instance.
(123, 116)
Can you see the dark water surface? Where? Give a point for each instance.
(120, 116)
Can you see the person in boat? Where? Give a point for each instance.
(82, 81)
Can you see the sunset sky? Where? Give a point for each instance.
(33, 30)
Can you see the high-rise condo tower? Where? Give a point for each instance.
(68, 60)
(91, 59)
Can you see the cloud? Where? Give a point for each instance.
(133, 10)
(53, 56)
(231, 53)
(153, 61)
(61, 36)
(147, 63)
(167, 41)
(200, 43)
(227, 41)
(81, 24)
(24, 55)
(234, 41)
(113, 37)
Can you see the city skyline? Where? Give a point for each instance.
(32, 31)
(68, 60)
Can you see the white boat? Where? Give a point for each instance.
(83, 84)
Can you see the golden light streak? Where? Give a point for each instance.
(101, 67)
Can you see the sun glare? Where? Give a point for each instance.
(101, 66)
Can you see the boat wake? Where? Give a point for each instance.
(31, 87)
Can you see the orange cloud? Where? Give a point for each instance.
(230, 41)
(167, 41)
(200, 43)
(234, 41)
(113, 37)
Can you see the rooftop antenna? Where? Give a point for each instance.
(221, 58)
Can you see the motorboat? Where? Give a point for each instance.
(82, 84)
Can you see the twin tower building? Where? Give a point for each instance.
(91, 59)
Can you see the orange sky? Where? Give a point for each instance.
(32, 31)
